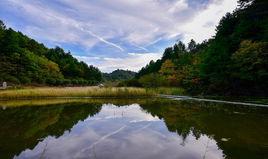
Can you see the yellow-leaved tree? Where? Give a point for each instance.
(168, 70)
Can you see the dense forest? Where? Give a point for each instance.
(119, 75)
(25, 61)
(233, 62)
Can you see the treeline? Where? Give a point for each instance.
(25, 61)
(233, 62)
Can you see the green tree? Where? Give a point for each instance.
(152, 80)
(249, 66)
(192, 45)
(24, 60)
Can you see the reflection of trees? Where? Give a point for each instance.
(33, 120)
(21, 128)
(246, 128)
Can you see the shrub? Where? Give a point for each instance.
(25, 80)
(59, 82)
(11, 79)
(74, 82)
(152, 80)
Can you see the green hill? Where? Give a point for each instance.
(25, 61)
(119, 75)
(233, 62)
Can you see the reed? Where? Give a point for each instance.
(116, 92)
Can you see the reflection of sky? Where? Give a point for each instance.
(123, 132)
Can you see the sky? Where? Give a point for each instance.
(115, 34)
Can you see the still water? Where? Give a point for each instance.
(131, 129)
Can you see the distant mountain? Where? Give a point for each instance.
(119, 75)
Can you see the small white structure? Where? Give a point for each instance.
(100, 85)
(4, 85)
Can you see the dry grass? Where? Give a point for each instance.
(121, 92)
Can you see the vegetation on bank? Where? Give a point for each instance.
(233, 62)
(116, 92)
(25, 61)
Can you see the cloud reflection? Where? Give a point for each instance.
(123, 132)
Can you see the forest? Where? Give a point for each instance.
(25, 61)
(233, 62)
(197, 99)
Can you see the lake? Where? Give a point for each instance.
(134, 129)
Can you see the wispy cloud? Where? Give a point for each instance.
(102, 28)
(103, 40)
(140, 47)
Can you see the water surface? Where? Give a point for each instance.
(135, 129)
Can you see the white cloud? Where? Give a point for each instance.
(114, 26)
(178, 6)
(203, 25)
(134, 61)
(137, 21)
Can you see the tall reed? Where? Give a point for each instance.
(120, 92)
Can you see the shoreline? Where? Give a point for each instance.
(176, 97)
(91, 92)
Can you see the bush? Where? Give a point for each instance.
(74, 82)
(11, 79)
(66, 81)
(50, 81)
(59, 82)
(90, 82)
(152, 80)
(131, 83)
(41, 80)
(81, 82)
(25, 80)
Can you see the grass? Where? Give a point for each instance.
(117, 92)
(167, 90)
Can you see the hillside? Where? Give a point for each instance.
(25, 61)
(119, 75)
(233, 62)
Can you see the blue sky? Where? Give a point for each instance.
(112, 34)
